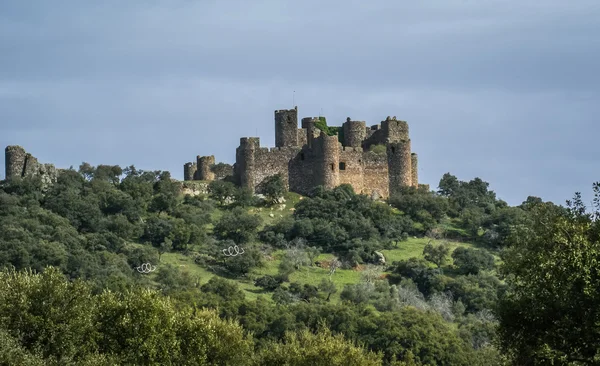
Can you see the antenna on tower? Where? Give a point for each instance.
(294, 99)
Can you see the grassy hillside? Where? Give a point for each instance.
(413, 247)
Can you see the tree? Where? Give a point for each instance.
(471, 261)
(237, 225)
(551, 312)
(274, 187)
(328, 287)
(220, 191)
(313, 253)
(308, 349)
(436, 254)
(267, 282)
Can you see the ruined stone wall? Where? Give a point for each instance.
(222, 170)
(414, 159)
(286, 127)
(302, 137)
(204, 165)
(312, 132)
(20, 164)
(394, 130)
(254, 164)
(351, 167)
(376, 137)
(354, 133)
(302, 170)
(375, 175)
(189, 171)
(399, 165)
(15, 157)
(273, 161)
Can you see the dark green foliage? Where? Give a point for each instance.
(274, 187)
(269, 283)
(341, 221)
(321, 124)
(93, 225)
(427, 279)
(220, 191)
(436, 254)
(421, 206)
(237, 225)
(244, 197)
(472, 261)
(551, 313)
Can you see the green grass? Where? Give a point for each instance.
(413, 247)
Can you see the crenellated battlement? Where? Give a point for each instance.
(308, 156)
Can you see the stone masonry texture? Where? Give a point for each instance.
(307, 157)
(20, 164)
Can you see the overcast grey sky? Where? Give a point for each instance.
(504, 90)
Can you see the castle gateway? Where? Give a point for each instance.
(375, 160)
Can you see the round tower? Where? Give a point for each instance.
(354, 133)
(204, 165)
(245, 164)
(395, 130)
(15, 159)
(414, 166)
(309, 124)
(189, 171)
(399, 165)
(286, 127)
(330, 158)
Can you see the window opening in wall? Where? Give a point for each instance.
(342, 166)
(332, 167)
(302, 156)
(393, 149)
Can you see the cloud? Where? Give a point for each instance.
(501, 89)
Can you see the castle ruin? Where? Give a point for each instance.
(374, 160)
(20, 164)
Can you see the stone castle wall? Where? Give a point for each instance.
(307, 157)
(20, 164)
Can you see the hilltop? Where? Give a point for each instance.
(413, 278)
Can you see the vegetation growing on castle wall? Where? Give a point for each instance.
(330, 130)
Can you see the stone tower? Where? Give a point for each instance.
(189, 171)
(399, 165)
(327, 169)
(286, 127)
(355, 133)
(245, 164)
(204, 164)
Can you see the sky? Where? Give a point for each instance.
(504, 90)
